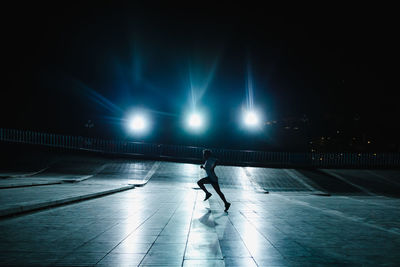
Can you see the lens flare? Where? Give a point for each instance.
(251, 119)
(195, 121)
(138, 123)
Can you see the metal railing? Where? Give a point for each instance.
(190, 153)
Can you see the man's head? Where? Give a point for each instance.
(206, 153)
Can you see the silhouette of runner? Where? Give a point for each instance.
(211, 178)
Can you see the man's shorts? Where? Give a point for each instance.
(210, 180)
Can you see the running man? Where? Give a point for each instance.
(211, 178)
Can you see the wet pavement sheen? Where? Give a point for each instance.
(167, 223)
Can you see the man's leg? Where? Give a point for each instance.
(201, 183)
(221, 195)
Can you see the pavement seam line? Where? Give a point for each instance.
(30, 185)
(148, 175)
(257, 188)
(190, 226)
(172, 215)
(125, 237)
(44, 205)
(341, 178)
(100, 235)
(383, 177)
(241, 238)
(339, 214)
(101, 168)
(371, 204)
(25, 175)
(208, 206)
(153, 169)
(261, 233)
(291, 173)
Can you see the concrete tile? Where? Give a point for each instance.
(239, 262)
(132, 248)
(32, 259)
(294, 251)
(97, 247)
(202, 263)
(234, 249)
(140, 238)
(162, 260)
(204, 250)
(165, 249)
(80, 259)
(172, 239)
(121, 259)
(278, 229)
(272, 261)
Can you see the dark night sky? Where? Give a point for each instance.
(62, 65)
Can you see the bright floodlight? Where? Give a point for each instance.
(251, 119)
(137, 123)
(195, 121)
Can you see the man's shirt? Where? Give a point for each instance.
(209, 170)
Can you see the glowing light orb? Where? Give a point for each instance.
(195, 121)
(251, 119)
(137, 123)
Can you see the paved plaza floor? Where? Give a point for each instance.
(307, 218)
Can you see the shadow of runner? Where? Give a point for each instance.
(205, 219)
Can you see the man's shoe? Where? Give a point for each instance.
(208, 195)
(227, 205)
